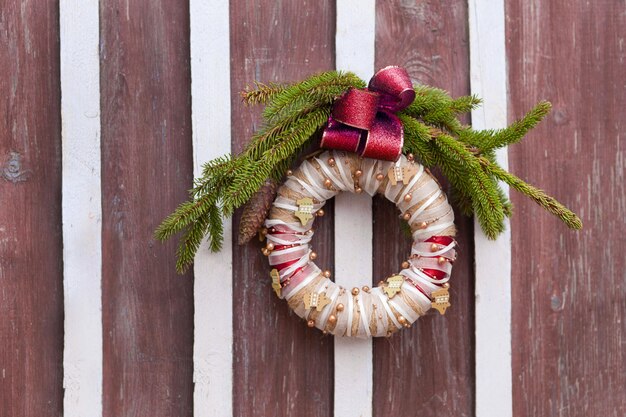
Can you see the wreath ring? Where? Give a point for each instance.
(397, 301)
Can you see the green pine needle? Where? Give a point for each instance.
(295, 113)
(261, 93)
(319, 90)
(538, 196)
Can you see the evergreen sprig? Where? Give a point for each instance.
(261, 93)
(295, 113)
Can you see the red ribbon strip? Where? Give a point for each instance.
(363, 121)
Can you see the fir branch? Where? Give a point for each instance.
(465, 104)
(215, 175)
(317, 90)
(192, 238)
(261, 93)
(427, 99)
(488, 140)
(435, 107)
(485, 199)
(537, 195)
(417, 140)
(294, 113)
(250, 177)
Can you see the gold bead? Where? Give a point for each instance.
(422, 225)
(264, 231)
(332, 319)
(313, 256)
(407, 216)
(310, 323)
(446, 285)
(441, 260)
(355, 291)
(434, 247)
(320, 213)
(289, 173)
(326, 273)
(380, 177)
(358, 173)
(340, 307)
(402, 320)
(408, 197)
(366, 288)
(270, 246)
(265, 252)
(327, 183)
(331, 162)
(381, 283)
(410, 157)
(405, 265)
(358, 190)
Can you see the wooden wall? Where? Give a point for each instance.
(569, 291)
(31, 259)
(569, 355)
(430, 40)
(271, 41)
(147, 310)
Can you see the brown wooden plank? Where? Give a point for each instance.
(31, 258)
(426, 370)
(569, 310)
(146, 170)
(281, 367)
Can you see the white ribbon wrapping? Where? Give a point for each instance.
(378, 315)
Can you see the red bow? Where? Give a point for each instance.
(363, 121)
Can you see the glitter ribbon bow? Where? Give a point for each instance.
(363, 120)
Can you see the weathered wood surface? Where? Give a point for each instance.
(428, 369)
(146, 170)
(569, 292)
(31, 259)
(281, 367)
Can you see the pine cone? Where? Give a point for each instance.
(255, 211)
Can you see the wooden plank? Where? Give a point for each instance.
(146, 170)
(354, 51)
(281, 367)
(82, 208)
(210, 108)
(569, 321)
(31, 263)
(492, 257)
(426, 370)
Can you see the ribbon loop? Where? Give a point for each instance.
(356, 108)
(395, 86)
(362, 120)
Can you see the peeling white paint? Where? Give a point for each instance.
(488, 75)
(82, 212)
(354, 45)
(210, 116)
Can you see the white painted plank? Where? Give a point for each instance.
(493, 258)
(82, 212)
(354, 45)
(210, 114)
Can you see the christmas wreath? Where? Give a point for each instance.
(383, 139)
